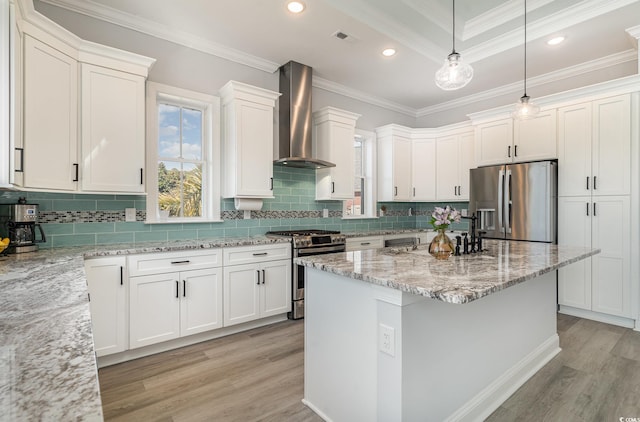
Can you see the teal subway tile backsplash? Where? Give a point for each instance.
(87, 219)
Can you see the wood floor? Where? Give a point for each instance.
(258, 376)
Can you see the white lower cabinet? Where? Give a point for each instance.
(107, 283)
(602, 283)
(258, 290)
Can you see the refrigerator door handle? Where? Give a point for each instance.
(500, 199)
(507, 202)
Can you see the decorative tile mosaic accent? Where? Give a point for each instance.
(87, 216)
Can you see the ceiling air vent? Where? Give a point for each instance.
(344, 36)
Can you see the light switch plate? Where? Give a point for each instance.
(325, 213)
(129, 214)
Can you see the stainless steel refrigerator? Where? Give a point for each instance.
(516, 201)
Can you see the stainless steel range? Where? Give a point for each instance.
(305, 243)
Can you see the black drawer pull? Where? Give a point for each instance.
(141, 177)
(261, 254)
(77, 170)
(121, 276)
(177, 289)
(184, 288)
(365, 243)
(186, 261)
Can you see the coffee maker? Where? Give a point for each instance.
(19, 222)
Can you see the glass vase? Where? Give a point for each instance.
(441, 246)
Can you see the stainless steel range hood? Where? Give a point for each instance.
(295, 118)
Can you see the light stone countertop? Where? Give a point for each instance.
(48, 369)
(460, 279)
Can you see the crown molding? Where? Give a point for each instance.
(498, 16)
(634, 31)
(337, 88)
(566, 73)
(135, 23)
(583, 11)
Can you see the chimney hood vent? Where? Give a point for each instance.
(295, 148)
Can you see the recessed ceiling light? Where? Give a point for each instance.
(295, 6)
(388, 52)
(555, 40)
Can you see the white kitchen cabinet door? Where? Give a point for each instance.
(108, 304)
(574, 229)
(535, 139)
(493, 142)
(394, 163)
(154, 309)
(611, 268)
(574, 150)
(113, 130)
(50, 117)
(423, 169)
(201, 301)
(247, 140)
(466, 161)
(447, 153)
(611, 157)
(333, 133)
(401, 169)
(241, 293)
(16, 88)
(275, 294)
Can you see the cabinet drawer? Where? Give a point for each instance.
(361, 243)
(257, 253)
(163, 262)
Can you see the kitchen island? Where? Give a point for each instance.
(394, 334)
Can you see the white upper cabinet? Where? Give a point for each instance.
(505, 141)
(247, 136)
(50, 117)
(494, 142)
(455, 157)
(594, 148)
(423, 168)
(535, 139)
(333, 134)
(112, 130)
(394, 163)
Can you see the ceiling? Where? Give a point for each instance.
(489, 35)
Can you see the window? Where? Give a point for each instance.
(362, 205)
(183, 159)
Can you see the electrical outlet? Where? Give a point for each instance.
(387, 339)
(464, 212)
(129, 214)
(325, 213)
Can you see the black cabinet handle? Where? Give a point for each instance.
(77, 169)
(184, 288)
(594, 209)
(21, 160)
(515, 151)
(177, 289)
(595, 183)
(587, 204)
(261, 254)
(271, 184)
(263, 277)
(121, 276)
(587, 182)
(141, 176)
(509, 151)
(414, 191)
(333, 187)
(258, 283)
(186, 261)
(395, 191)
(365, 243)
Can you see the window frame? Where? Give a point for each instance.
(211, 173)
(369, 167)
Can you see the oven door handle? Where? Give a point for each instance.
(316, 251)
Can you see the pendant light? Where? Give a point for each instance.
(454, 73)
(525, 109)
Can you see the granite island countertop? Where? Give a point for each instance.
(460, 279)
(47, 361)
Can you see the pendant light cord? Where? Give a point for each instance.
(525, 48)
(454, 26)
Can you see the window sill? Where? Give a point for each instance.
(183, 221)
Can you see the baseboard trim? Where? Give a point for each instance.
(496, 393)
(165, 346)
(597, 316)
(316, 410)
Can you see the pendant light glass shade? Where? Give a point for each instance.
(525, 109)
(454, 73)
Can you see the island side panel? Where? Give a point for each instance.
(460, 362)
(340, 380)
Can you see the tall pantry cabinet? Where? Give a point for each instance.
(594, 207)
